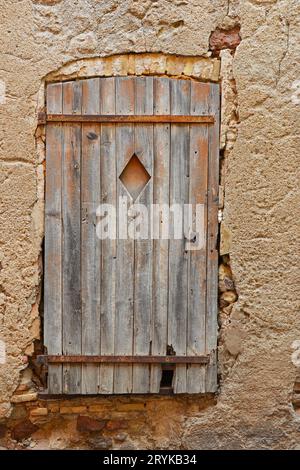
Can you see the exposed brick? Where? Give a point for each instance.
(87, 424)
(23, 430)
(225, 39)
(131, 407)
(144, 64)
(24, 397)
(64, 410)
(115, 424)
(39, 412)
(53, 407)
(98, 408)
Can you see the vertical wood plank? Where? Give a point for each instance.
(178, 259)
(143, 247)
(125, 247)
(197, 258)
(71, 237)
(108, 268)
(160, 246)
(90, 243)
(53, 239)
(212, 251)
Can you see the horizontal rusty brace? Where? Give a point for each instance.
(43, 118)
(80, 359)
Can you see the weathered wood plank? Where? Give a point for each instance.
(71, 237)
(178, 259)
(108, 196)
(125, 247)
(161, 244)
(197, 257)
(143, 246)
(212, 251)
(53, 239)
(125, 118)
(90, 243)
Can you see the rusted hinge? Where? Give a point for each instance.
(57, 359)
(43, 118)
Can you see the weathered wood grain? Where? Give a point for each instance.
(178, 258)
(143, 136)
(125, 248)
(161, 90)
(90, 243)
(53, 239)
(71, 237)
(109, 247)
(197, 258)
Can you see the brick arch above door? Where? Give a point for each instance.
(180, 66)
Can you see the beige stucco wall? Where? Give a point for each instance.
(260, 175)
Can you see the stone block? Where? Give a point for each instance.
(87, 424)
(39, 412)
(24, 397)
(23, 430)
(72, 409)
(131, 407)
(115, 424)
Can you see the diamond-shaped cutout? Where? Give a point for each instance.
(134, 177)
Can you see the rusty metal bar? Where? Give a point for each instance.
(44, 359)
(43, 118)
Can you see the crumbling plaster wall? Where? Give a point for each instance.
(260, 176)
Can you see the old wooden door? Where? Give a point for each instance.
(129, 298)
